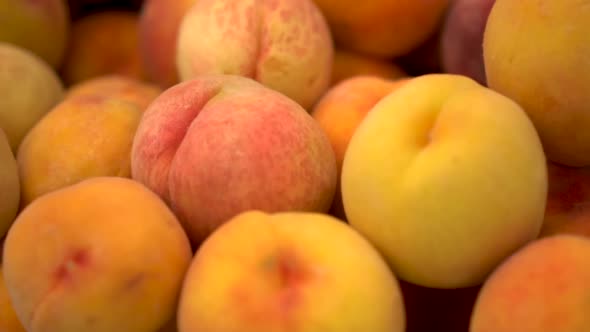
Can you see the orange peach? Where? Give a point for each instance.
(117, 86)
(9, 185)
(284, 44)
(29, 88)
(105, 254)
(350, 64)
(218, 145)
(83, 136)
(342, 109)
(103, 43)
(41, 27)
(536, 53)
(302, 272)
(9, 322)
(568, 201)
(383, 28)
(541, 288)
(159, 22)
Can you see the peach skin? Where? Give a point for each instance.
(218, 145)
(349, 64)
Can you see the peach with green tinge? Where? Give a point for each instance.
(536, 53)
(541, 288)
(218, 145)
(382, 28)
(303, 272)
(284, 44)
(103, 43)
(432, 178)
(159, 22)
(108, 255)
(342, 109)
(42, 27)
(86, 135)
(29, 89)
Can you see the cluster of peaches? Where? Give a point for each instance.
(295, 166)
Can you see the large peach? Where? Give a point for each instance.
(159, 22)
(303, 272)
(342, 109)
(383, 28)
(462, 38)
(536, 53)
(284, 44)
(218, 145)
(41, 27)
(29, 89)
(568, 201)
(84, 136)
(105, 254)
(9, 186)
(102, 43)
(432, 178)
(349, 64)
(541, 288)
(8, 320)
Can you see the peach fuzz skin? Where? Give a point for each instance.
(541, 288)
(218, 145)
(342, 109)
(103, 43)
(382, 28)
(421, 179)
(284, 44)
(292, 278)
(110, 256)
(84, 136)
(8, 320)
(536, 53)
(568, 201)
(158, 26)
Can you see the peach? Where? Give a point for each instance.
(29, 89)
(83, 136)
(108, 256)
(158, 25)
(462, 38)
(541, 288)
(218, 145)
(284, 44)
(536, 53)
(102, 43)
(351, 64)
(568, 201)
(303, 272)
(121, 87)
(342, 109)
(42, 27)
(432, 178)
(382, 28)
(8, 320)
(9, 186)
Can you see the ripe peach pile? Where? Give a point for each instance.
(294, 166)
